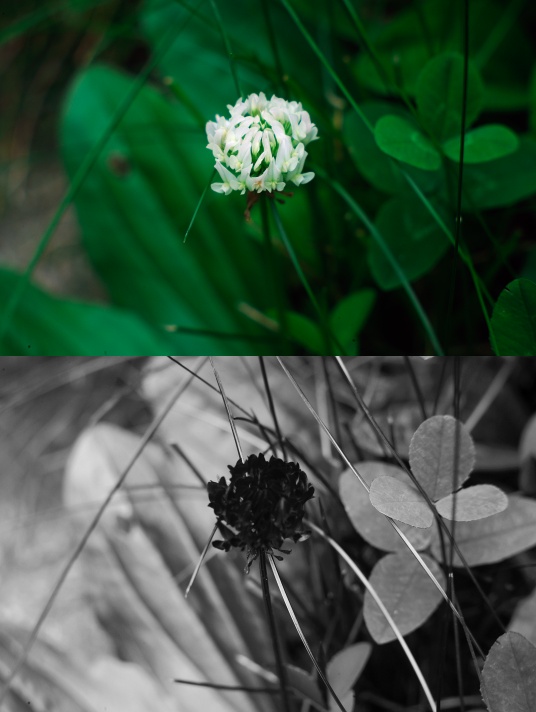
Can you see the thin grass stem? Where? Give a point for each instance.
(276, 281)
(378, 237)
(272, 407)
(459, 669)
(381, 606)
(200, 562)
(302, 636)
(281, 672)
(228, 48)
(330, 338)
(231, 688)
(228, 410)
(492, 391)
(195, 470)
(199, 203)
(273, 45)
(416, 387)
(457, 232)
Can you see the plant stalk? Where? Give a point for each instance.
(281, 672)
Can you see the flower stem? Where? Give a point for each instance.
(331, 341)
(281, 673)
(275, 278)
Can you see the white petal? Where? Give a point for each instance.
(302, 178)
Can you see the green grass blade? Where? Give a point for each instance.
(330, 338)
(427, 326)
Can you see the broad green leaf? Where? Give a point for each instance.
(475, 502)
(486, 143)
(136, 204)
(367, 520)
(401, 501)
(344, 669)
(415, 240)
(509, 675)
(45, 325)
(504, 181)
(439, 95)
(406, 591)
(375, 166)
(486, 541)
(441, 455)
(400, 138)
(349, 317)
(513, 323)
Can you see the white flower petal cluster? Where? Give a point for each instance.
(261, 147)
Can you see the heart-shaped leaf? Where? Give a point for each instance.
(509, 675)
(367, 520)
(473, 503)
(400, 138)
(401, 501)
(513, 323)
(486, 143)
(486, 541)
(441, 455)
(406, 591)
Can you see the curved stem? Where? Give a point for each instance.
(382, 608)
(302, 637)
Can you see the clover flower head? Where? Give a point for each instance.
(261, 146)
(261, 506)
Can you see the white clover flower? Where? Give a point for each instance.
(261, 147)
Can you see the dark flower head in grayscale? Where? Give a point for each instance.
(262, 505)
